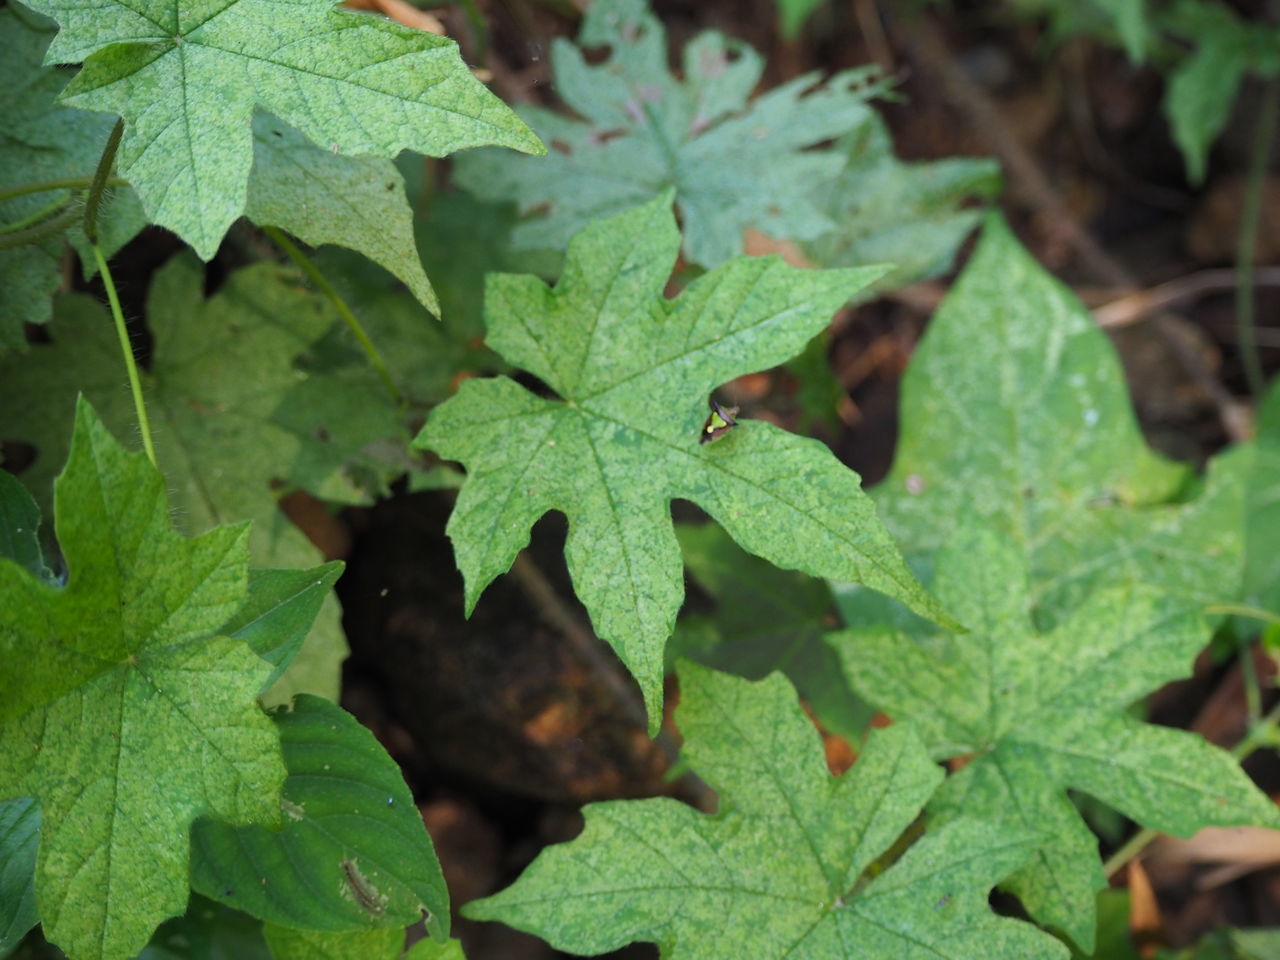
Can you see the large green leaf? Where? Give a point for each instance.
(784, 869)
(1015, 410)
(353, 854)
(122, 709)
(233, 414)
(19, 836)
(732, 164)
(1037, 713)
(906, 214)
(40, 141)
(633, 371)
(765, 619)
(186, 79)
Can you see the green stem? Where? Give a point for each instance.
(63, 183)
(41, 231)
(100, 176)
(1247, 243)
(354, 325)
(126, 350)
(1240, 610)
(1260, 733)
(48, 210)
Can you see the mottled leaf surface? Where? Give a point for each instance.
(123, 711)
(733, 163)
(633, 371)
(1038, 712)
(186, 79)
(781, 869)
(289, 944)
(765, 619)
(353, 854)
(1015, 410)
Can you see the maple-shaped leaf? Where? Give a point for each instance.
(733, 164)
(633, 371)
(1039, 712)
(42, 141)
(782, 870)
(1015, 410)
(123, 709)
(186, 79)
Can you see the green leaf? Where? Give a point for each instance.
(19, 835)
(1201, 92)
(186, 80)
(235, 415)
(1130, 18)
(287, 944)
(782, 869)
(633, 371)
(733, 165)
(1015, 410)
(907, 214)
(321, 197)
(1262, 511)
(122, 709)
(39, 141)
(434, 950)
(1113, 940)
(20, 526)
(353, 854)
(1039, 712)
(208, 931)
(793, 14)
(765, 619)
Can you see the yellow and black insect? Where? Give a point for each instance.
(720, 422)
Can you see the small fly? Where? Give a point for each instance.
(720, 422)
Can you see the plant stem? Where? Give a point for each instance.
(354, 325)
(100, 176)
(1241, 610)
(126, 350)
(41, 231)
(1259, 733)
(48, 210)
(63, 183)
(1247, 244)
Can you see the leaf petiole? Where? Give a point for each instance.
(48, 210)
(126, 350)
(62, 183)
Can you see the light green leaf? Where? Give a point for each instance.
(733, 165)
(208, 931)
(1015, 410)
(321, 197)
(907, 214)
(235, 414)
(633, 372)
(793, 14)
(1041, 712)
(434, 950)
(288, 944)
(122, 710)
(782, 869)
(765, 619)
(1130, 18)
(187, 78)
(19, 835)
(354, 853)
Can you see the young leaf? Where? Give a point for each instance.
(1015, 410)
(782, 869)
(907, 214)
(186, 80)
(732, 165)
(19, 835)
(353, 854)
(1040, 712)
(39, 141)
(321, 197)
(122, 710)
(633, 372)
(765, 619)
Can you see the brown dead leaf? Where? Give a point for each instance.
(757, 244)
(1233, 851)
(401, 12)
(1144, 911)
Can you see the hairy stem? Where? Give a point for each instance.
(41, 231)
(100, 177)
(48, 210)
(126, 351)
(62, 183)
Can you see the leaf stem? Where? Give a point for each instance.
(1261, 733)
(126, 350)
(100, 176)
(1247, 243)
(41, 231)
(1241, 610)
(353, 324)
(62, 183)
(48, 210)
